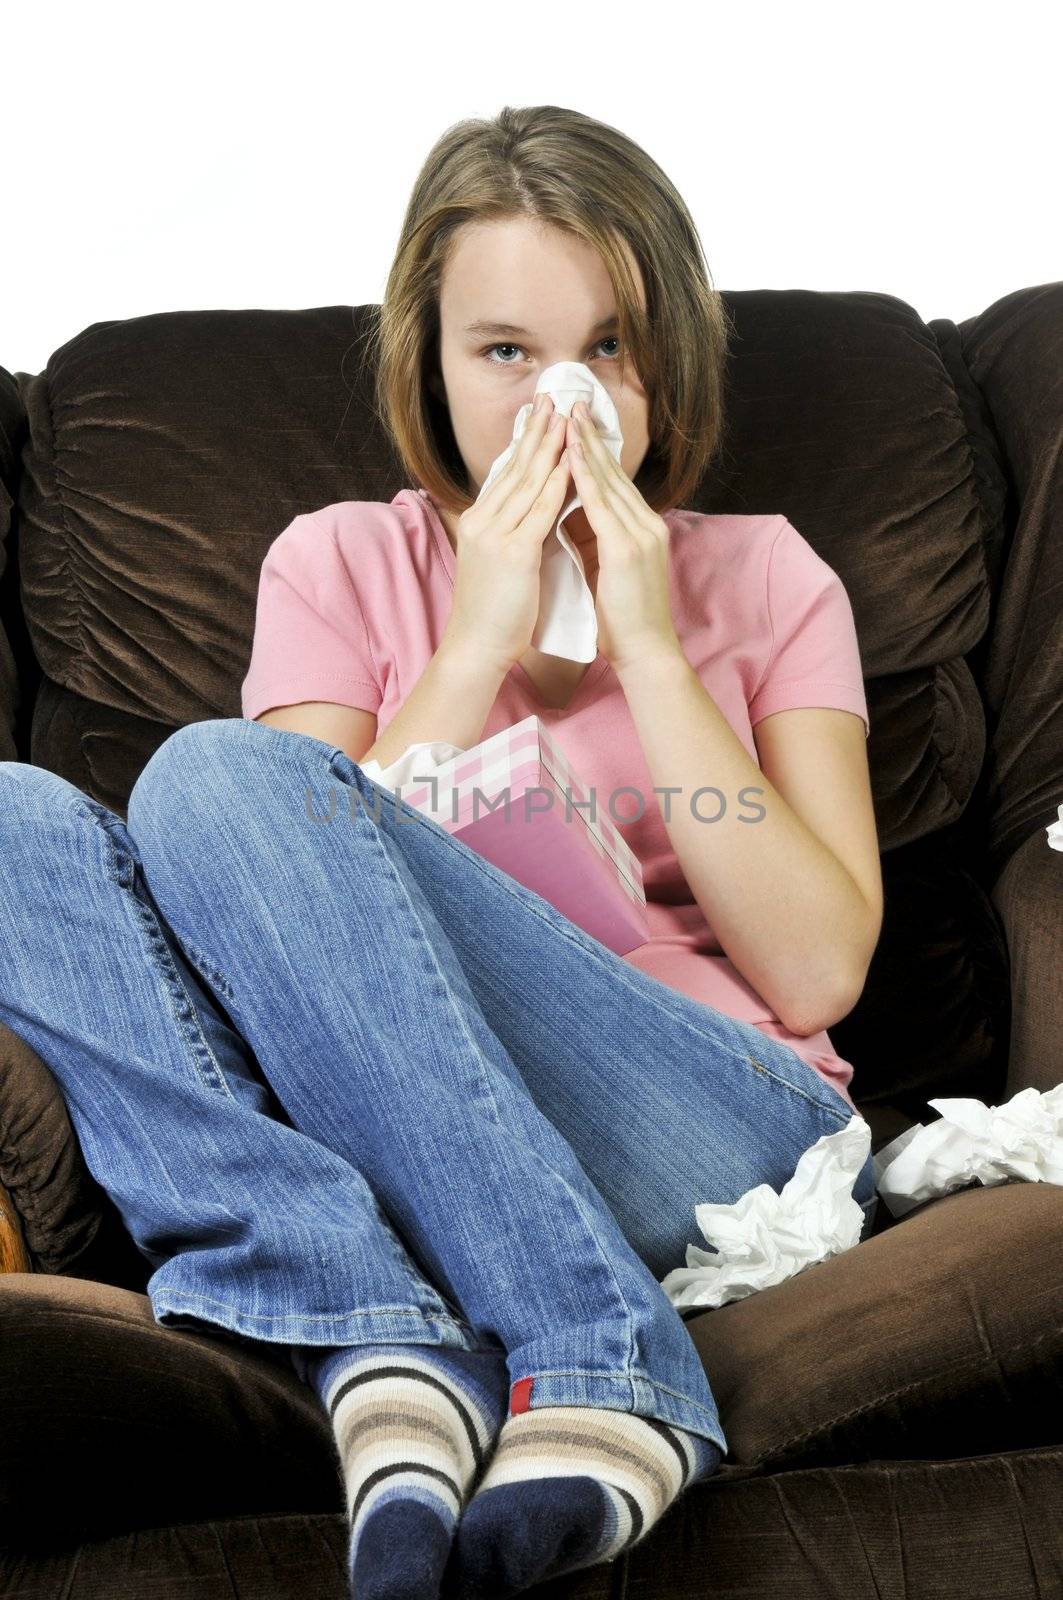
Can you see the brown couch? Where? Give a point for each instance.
(894, 1413)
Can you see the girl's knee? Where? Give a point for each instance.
(28, 790)
(41, 818)
(181, 755)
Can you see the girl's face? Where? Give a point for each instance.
(555, 288)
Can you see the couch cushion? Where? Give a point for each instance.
(935, 1014)
(68, 1222)
(112, 1422)
(940, 1336)
(14, 721)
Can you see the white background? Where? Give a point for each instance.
(204, 156)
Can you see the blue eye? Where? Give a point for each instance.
(611, 338)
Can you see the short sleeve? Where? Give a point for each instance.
(814, 655)
(310, 640)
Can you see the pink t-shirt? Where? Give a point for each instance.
(353, 601)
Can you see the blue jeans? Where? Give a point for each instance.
(348, 1082)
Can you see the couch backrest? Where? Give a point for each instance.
(15, 673)
(164, 453)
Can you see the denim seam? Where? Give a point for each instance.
(191, 1030)
(398, 884)
(589, 1225)
(307, 1316)
(191, 1033)
(841, 1119)
(624, 1377)
(198, 958)
(419, 1284)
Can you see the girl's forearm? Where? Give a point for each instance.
(450, 701)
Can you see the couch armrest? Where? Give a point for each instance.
(67, 1222)
(1029, 898)
(14, 1256)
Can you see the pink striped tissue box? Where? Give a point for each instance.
(551, 841)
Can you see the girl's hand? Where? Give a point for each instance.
(632, 601)
(500, 543)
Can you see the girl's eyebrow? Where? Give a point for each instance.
(506, 328)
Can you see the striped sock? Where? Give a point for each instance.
(413, 1426)
(568, 1487)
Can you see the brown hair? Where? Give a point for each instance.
(585, 177)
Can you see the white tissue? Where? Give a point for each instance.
(567, 624)
(766, 1237)
(1055, 836)
(973, 1142)
(417, 762)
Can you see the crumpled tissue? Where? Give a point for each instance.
(765, 1237)
(567, 624)
(1055, 832)
(417, 762)
(973, 1142)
